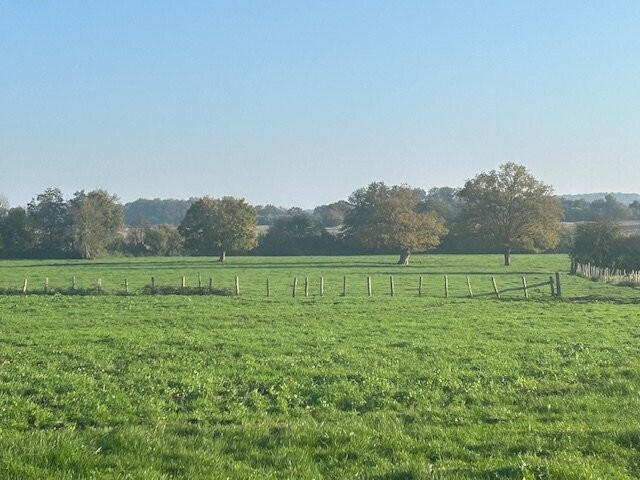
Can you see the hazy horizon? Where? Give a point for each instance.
(299, 104)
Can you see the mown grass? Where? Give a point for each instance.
(321, 387)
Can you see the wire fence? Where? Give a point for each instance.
(445, 286)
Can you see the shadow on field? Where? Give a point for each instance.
(603, 299)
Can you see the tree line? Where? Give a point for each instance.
(503, 210)
(602, 244)
(608, 207)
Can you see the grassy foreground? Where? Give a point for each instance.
(319, 387)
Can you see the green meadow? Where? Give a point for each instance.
(319, 387)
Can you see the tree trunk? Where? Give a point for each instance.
(223, 256)
(507, 257)
(404, 257)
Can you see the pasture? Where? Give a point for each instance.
(380, 387)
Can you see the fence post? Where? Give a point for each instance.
(322, 286)
(469, 287)
(391, 286)
(295, 286)
(73, 283)
(420, 282)
(126, 286)
(99, 284)
(24, 286)
(46, 285)
(495, 287)
(524, 286)
(369, 290)
(344, 286)
(210, 284)
(306, 286)
(446, 286)
(551, 285)
(268, 288)
(558, 287)
(199, 280)
(237, 285)
(184, 282)
(153, 283)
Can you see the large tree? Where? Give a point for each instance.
(16, 234)
(97, 221)
(216, 226)
(49, 216)
(511, 209)
(392, 218)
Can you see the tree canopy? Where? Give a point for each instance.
(156, 211)
(511, 209)
(97, 219)
(218, 226)
(392, 218)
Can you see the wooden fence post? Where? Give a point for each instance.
(126, 286)
(446, 286)
(24, 286)
(369, 289)
(391, 286)
(495, 287)
(46, 285)
(73, 283)
(551, 285)
(524, 287)
(184, 282)
(153, 283)
(306, 286)
(420, 283)
(268, 288)
(295, 286)
(344, 286)
(322, 286)
(199, 281)
(99, 284)
(210, 284)
(469, 287)
(558, 287)
(237, 285)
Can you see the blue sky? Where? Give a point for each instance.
(300, 102)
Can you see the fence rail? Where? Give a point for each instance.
(207, 288)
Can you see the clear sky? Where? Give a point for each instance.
(301, 102)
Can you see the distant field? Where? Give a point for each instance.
(628, 227)
(157, 387)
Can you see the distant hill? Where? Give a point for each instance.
(625, 198)
(156, 211)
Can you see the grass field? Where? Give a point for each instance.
(401, 387)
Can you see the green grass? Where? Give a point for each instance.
(322, 387)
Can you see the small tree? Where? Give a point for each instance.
(297, 235)
(594, 243)
(219, 225)
(331, 215)
(163, 240)
(511, 209)
(391, 217)
(97, 222)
